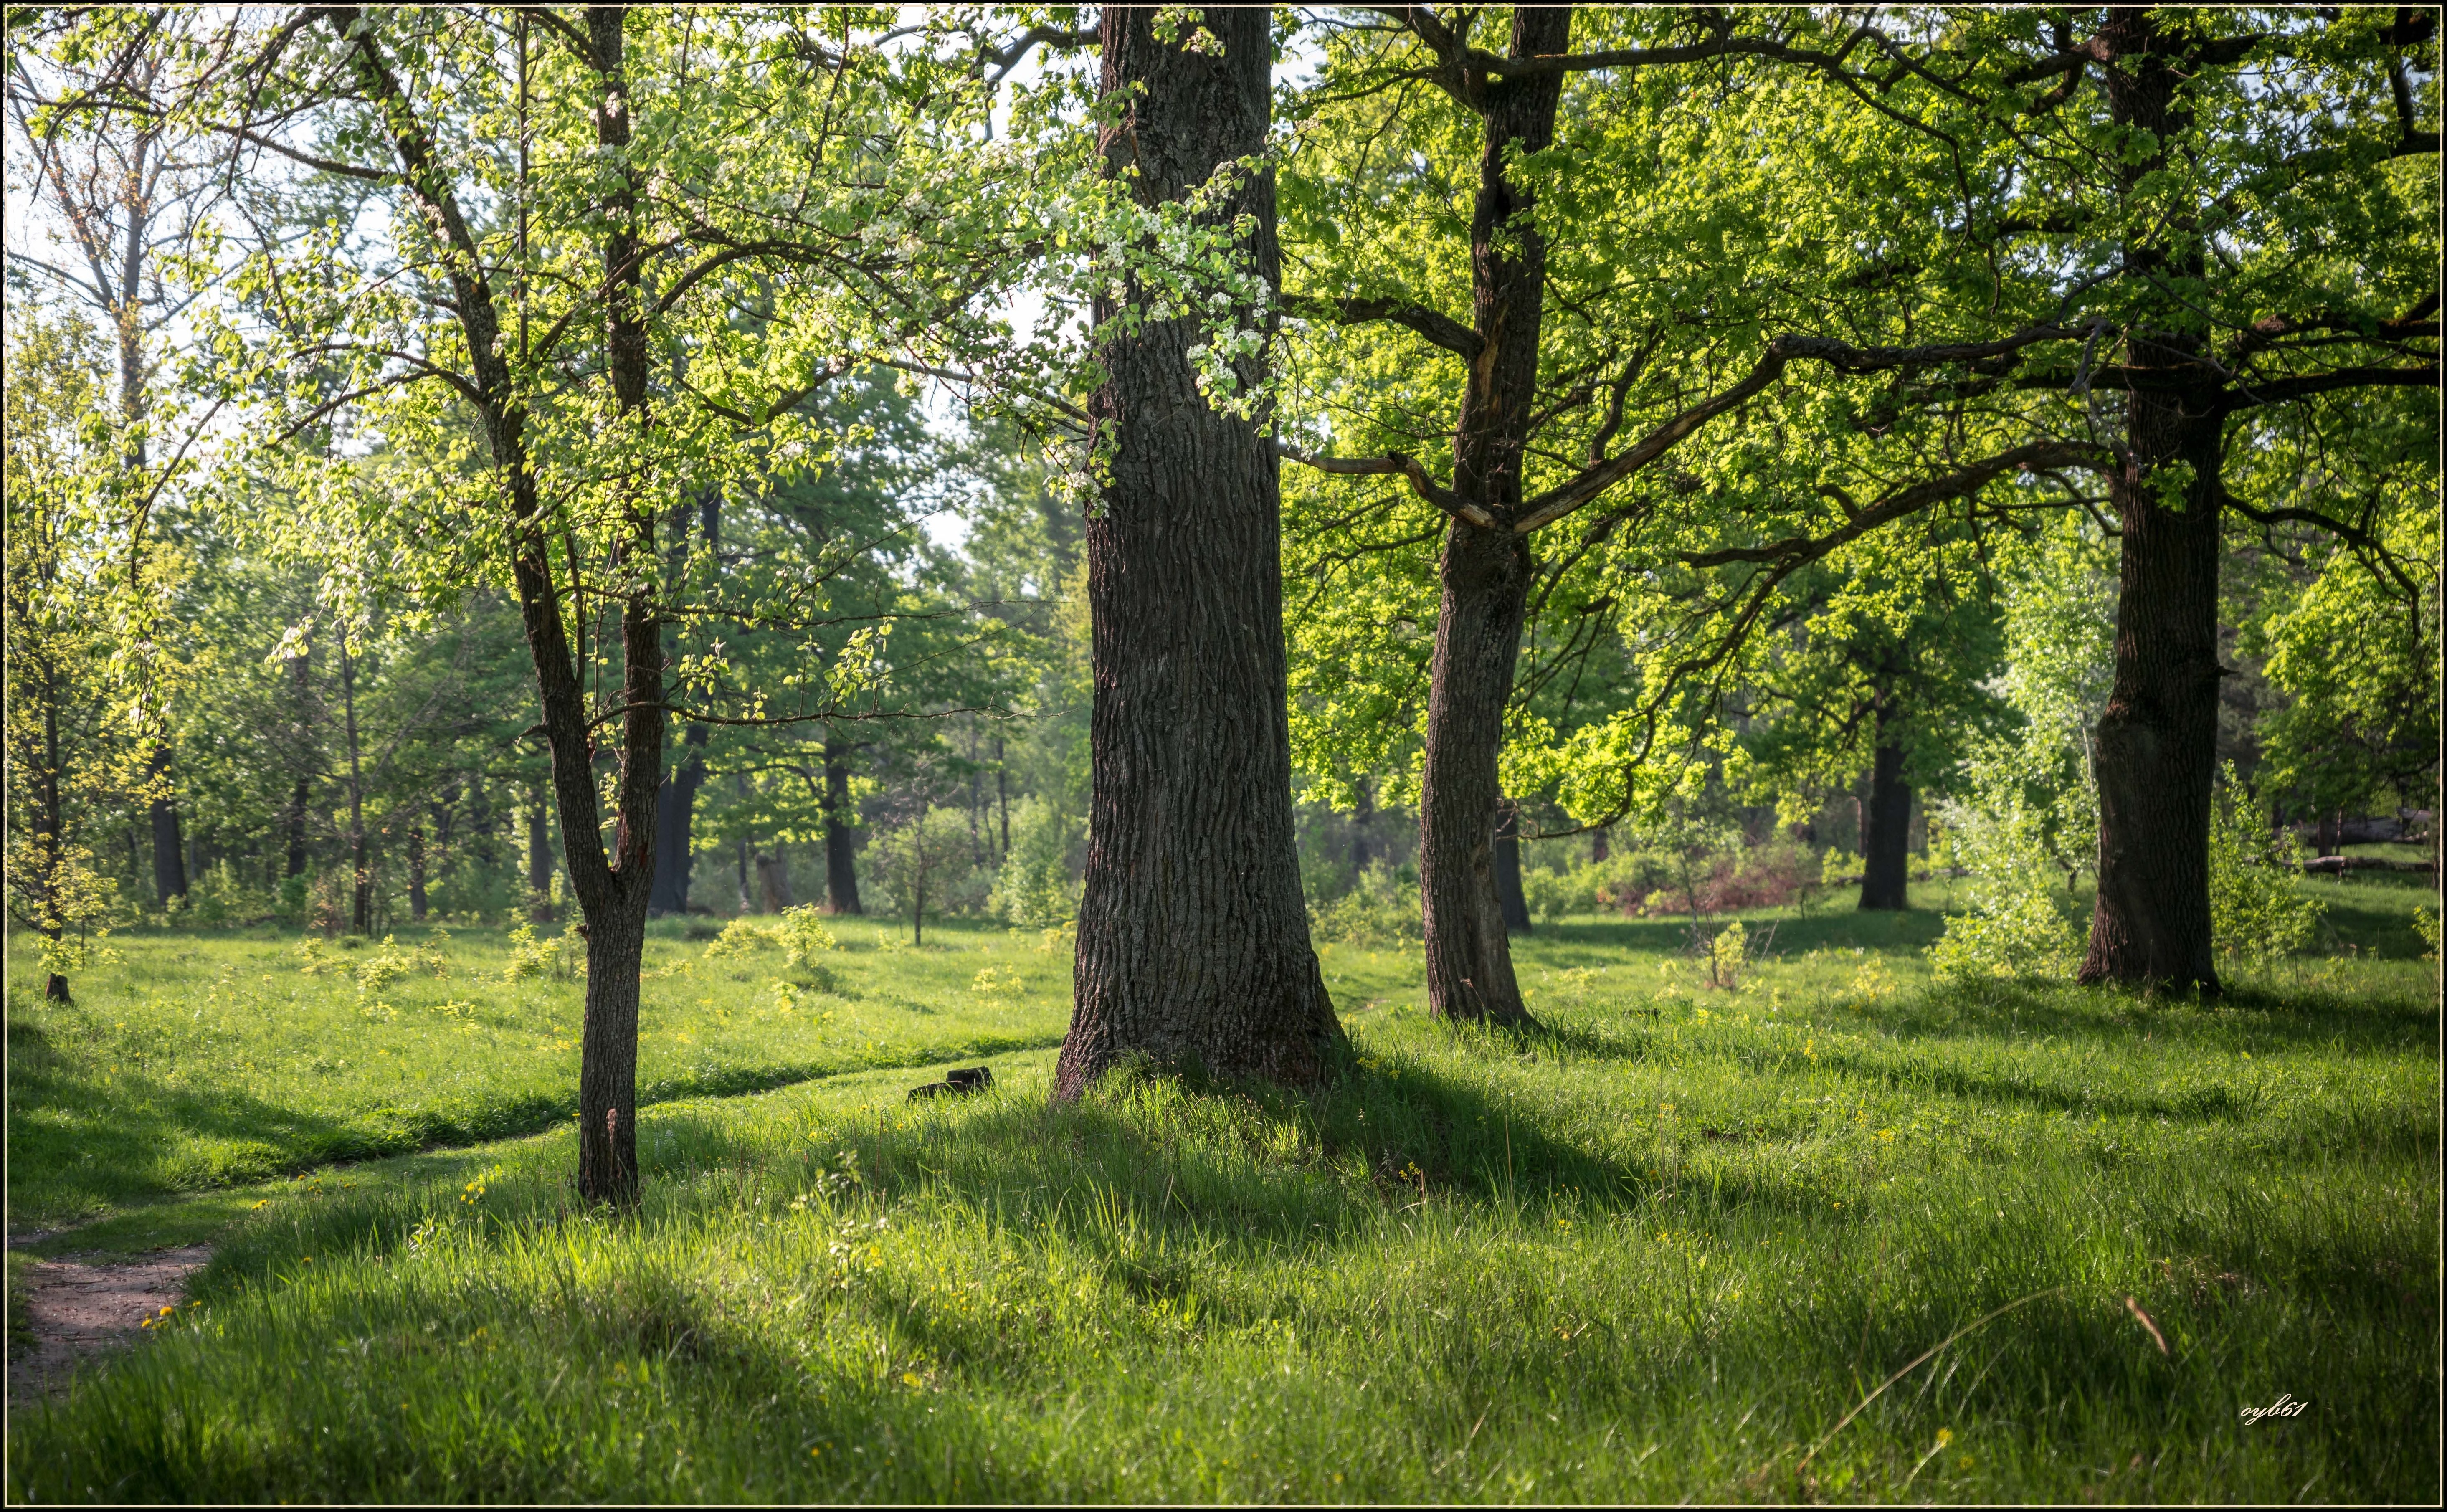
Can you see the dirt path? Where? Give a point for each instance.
(77, 1311)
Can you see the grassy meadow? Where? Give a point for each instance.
(1664, 1249)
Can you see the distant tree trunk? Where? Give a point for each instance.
(1002, 796)
(52, 829)
(1484, 574)
(361, 898)
(773, 877)
(676, 802)
(674, 822)
(1598, 847)
(296, 817)
(1886, 843)
(1193, 939)
(1508, 869)
(1364, 808)
(840, 834)
(539, 861)
(169, 851)
(2157, 738)
(416, 872)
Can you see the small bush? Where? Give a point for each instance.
(1380, 912)
(2256, 911)
(2009, 924)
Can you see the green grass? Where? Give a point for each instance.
(199, 1060)
(1655, 1252)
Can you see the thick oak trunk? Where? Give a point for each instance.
(1485, 574)
(2156, 747)
(1885, 832)
(840, 834)
(1193, 939)
(2157, 740)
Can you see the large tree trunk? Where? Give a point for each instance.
(2157, 738)
(169, 850)
(1193, 939)
(840, 834)
(1508, 868)
(1885, 838)
(1485, 574)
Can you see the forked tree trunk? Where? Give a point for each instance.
(2157, 738)
(1485, 574)
(1885, 837)
(840, 834)
(1193, 939)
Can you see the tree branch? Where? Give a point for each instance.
(1436, 326)
(1402, 463)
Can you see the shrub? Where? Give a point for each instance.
(2257, 913)
(2009, 924)
(1038, 885)
(1379, 912)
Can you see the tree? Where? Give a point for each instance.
(128, 190)
(1193, 941)
(67, 707)
(921, 857)
(554, 336)
(1882, 668)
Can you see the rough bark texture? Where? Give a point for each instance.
(1193, 938)
(840, 834)
(2157, 739)
(1485, 574)
(1507, 870)
(1886, 834)
(169, 851)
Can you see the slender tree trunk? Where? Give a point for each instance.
(1193, 939)
(675, 804)
(299, 796)
(169, 850)
(538, 859)
(1508, 868)
(1485, 574)
(50, 838)
(674, 822)
(840, 834)
(1600, 847)
(416, 872)
(2157, 738)
(773, 877)
(1886, 843)
(361, 896)
(1364, 808)
(1002, 797)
